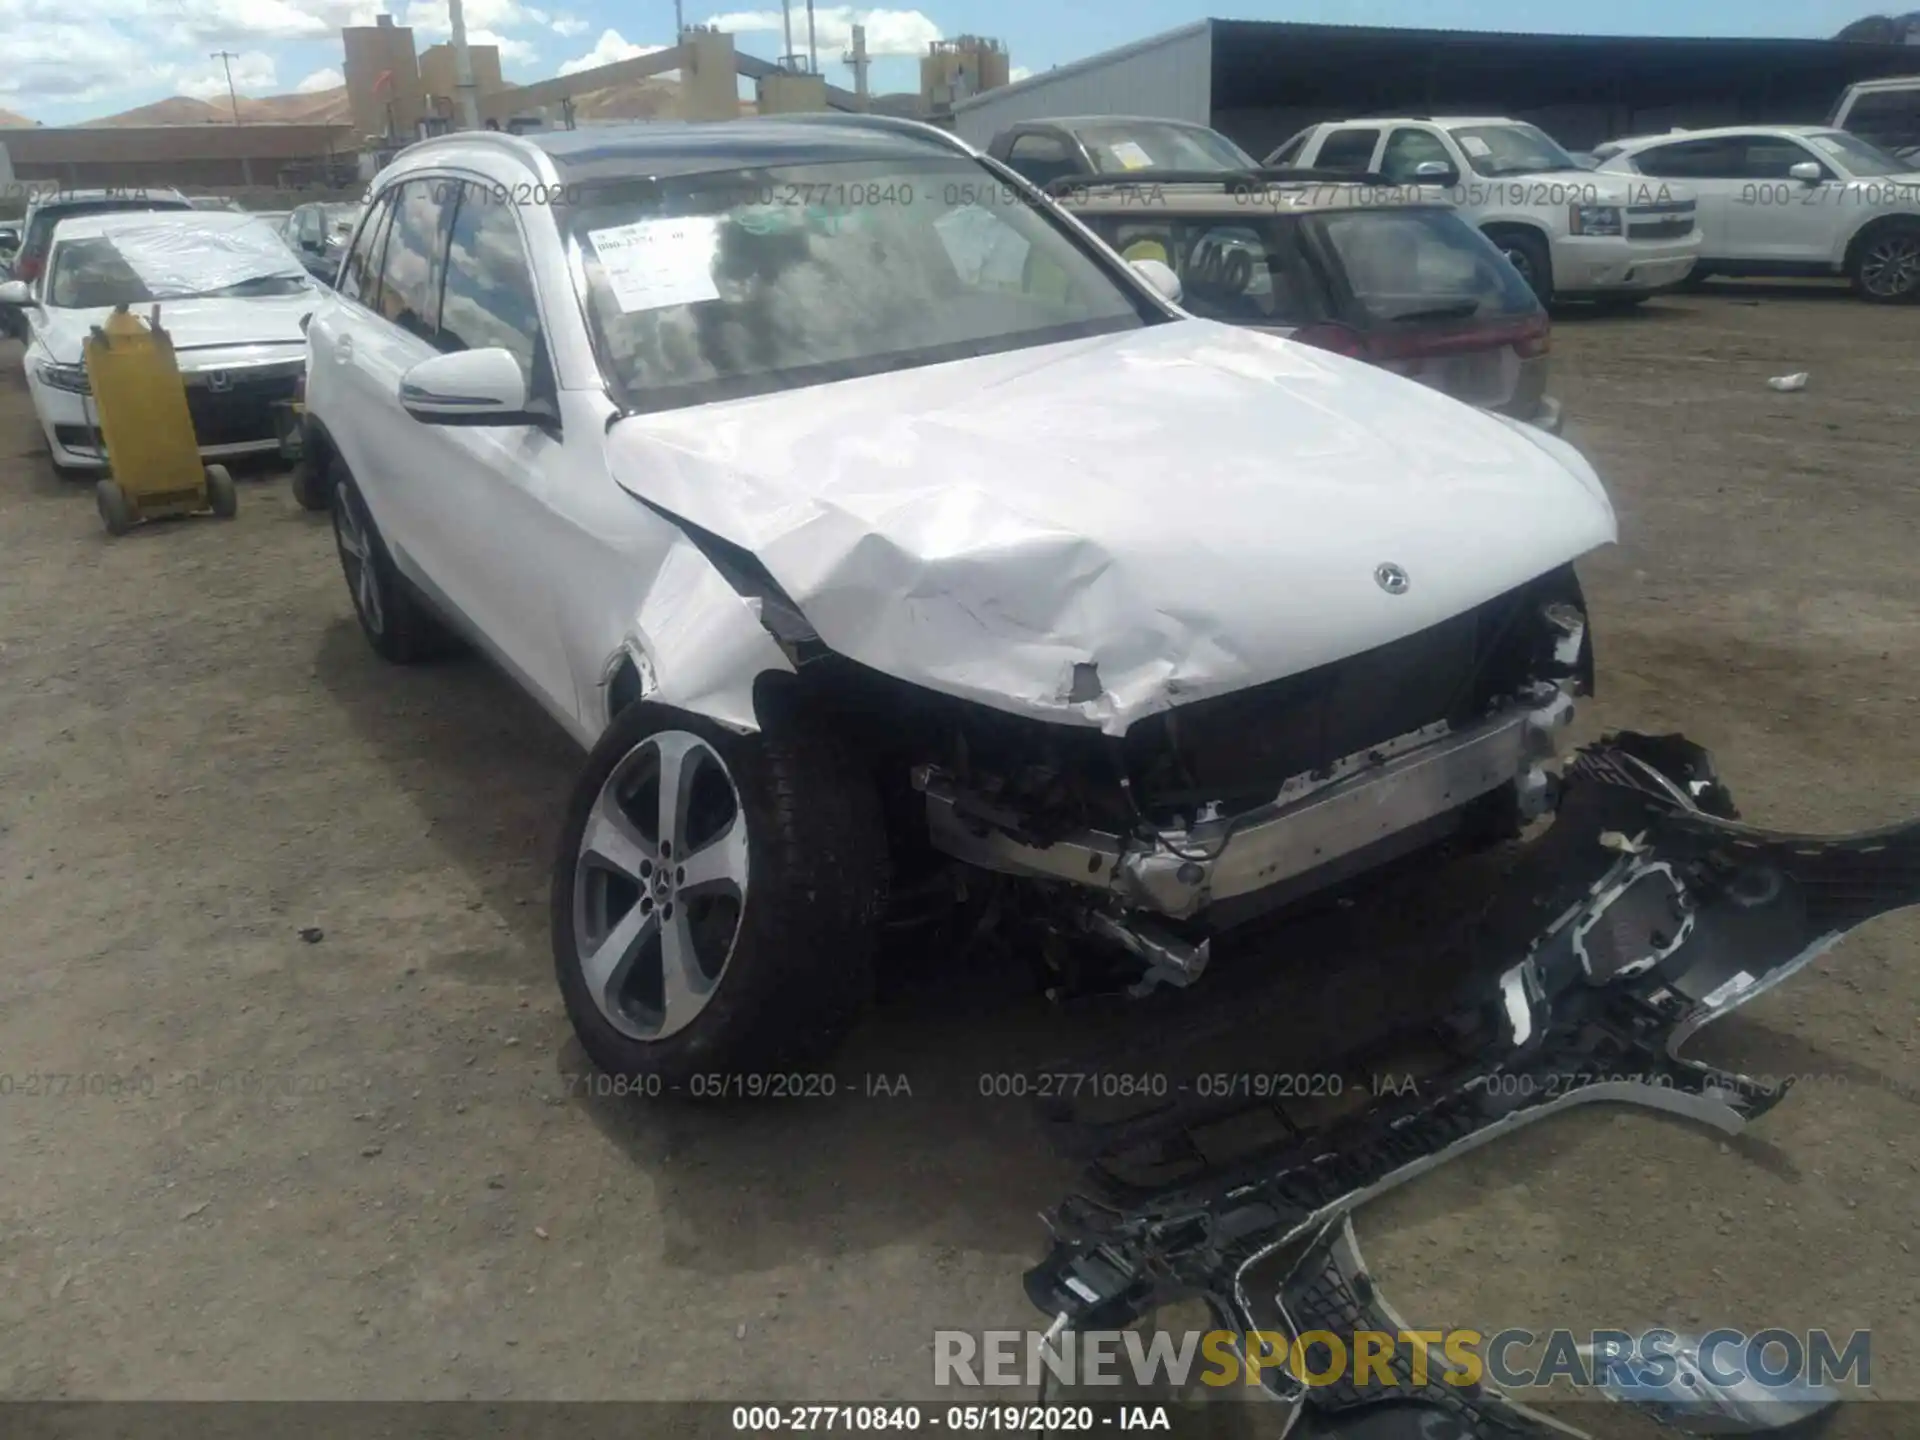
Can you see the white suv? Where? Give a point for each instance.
(1791, 200)
(872, 522)
(1573, 234)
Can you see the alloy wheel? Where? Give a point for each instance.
(356, 557)
(1891, 266)
(660, 885)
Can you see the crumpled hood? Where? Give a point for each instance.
(270, 322)
(1191, 508)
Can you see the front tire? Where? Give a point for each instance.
(1886, 264)
(717, 897)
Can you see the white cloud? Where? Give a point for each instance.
(1018, 72)
(197, 23)
(512, 51)
(609, 49)
(429, 17)
(570, 26)
(889, 32)
(328, 79)
(253, 74)
(72, 64)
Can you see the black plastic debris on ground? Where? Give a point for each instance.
(1646, 911)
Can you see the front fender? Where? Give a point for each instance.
(695, 643)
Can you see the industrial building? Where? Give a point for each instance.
(395, 94)
(1260, 81)
(209, 157)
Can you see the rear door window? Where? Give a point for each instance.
(1409, 266)
(359, 278)
(1717, 159)
(1350, 149)
(411, 263)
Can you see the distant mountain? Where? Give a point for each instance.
(9, 119)
(1884, 30)
(321, 107)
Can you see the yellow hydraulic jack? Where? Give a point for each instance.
(153, 459)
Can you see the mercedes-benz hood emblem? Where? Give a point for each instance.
(1391, 578)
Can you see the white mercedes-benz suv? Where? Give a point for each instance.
(905, 557)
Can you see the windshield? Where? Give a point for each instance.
(733, 283)
(1144, 145)
(1408, 265)
(1510, 150)
(1857, 157)
(172, 262)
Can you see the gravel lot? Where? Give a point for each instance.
(370, 1164)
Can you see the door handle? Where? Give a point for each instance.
(343, 349)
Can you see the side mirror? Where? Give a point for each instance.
(14, 295)
(1806, 172)
(469, 387)
(1160, 276)
(1437, 171)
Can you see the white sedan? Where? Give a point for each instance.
(231, 296)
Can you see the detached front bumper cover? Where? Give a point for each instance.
(1667, 914)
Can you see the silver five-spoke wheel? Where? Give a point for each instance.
(356, 555)
(660, 885)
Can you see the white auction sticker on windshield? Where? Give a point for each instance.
(1129, 154)
(1475, 146)
(652, 264)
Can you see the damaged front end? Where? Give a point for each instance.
(1205, 816)
(1663, 914)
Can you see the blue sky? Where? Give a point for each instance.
(58, 69)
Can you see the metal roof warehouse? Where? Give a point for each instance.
(1259, 81)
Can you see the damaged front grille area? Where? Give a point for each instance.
(1290, 786)
(1639, 918)
(1237, 750)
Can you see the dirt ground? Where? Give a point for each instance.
(367, 1164)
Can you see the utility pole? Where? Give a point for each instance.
(786, 21)
(857, 58)
(813, 50)
(463, 68)
(679, 22)
(226, 59)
